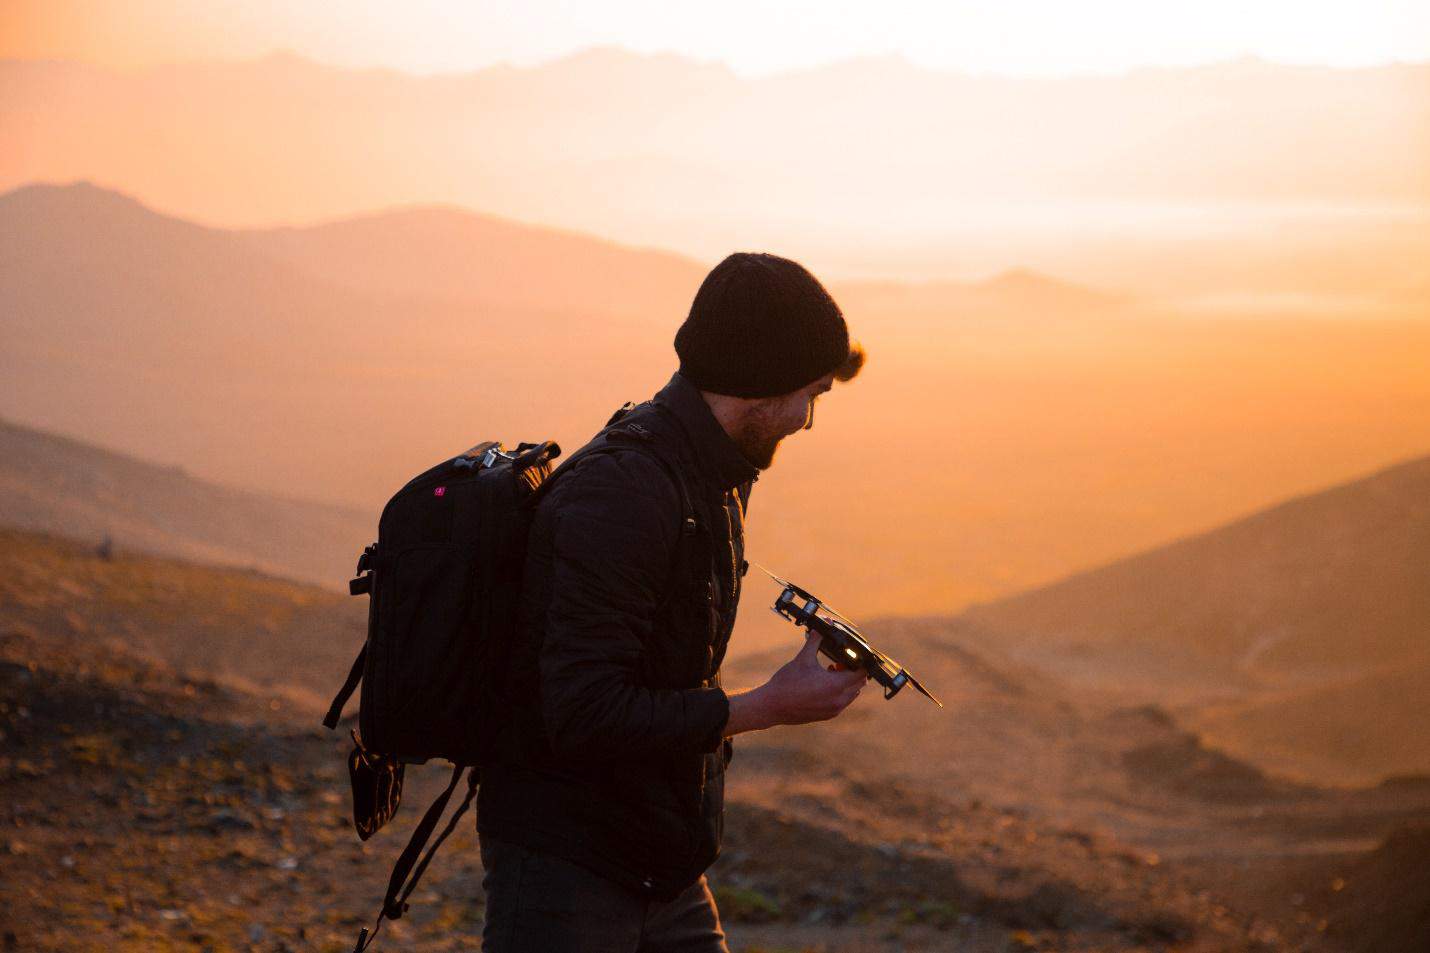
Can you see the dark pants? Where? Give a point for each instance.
(540, 903)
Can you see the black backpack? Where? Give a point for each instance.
(444, 588)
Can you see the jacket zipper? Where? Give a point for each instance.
(734, 565)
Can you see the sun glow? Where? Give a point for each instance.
(1028, 37)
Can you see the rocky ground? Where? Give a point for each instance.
(148, 811)
(150, 807)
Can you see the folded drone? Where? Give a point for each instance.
(840, 640)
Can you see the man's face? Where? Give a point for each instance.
(769, 420)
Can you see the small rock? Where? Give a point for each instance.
(227, 819)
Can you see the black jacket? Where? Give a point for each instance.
(617, 757)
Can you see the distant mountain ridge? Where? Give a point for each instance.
(449, 252)
(431, 314)
(439, 252)
(666, 147)
(334, 361)
(264, 336)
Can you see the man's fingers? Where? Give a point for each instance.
(811, 647)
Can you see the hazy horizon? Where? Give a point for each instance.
(1022, 37)
(1224, 170)
(894, 58)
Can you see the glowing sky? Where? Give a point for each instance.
(1030, 37)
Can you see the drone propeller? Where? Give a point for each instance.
(807, 595)
(786, 584)
(917, 684)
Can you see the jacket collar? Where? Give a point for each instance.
(718, 457)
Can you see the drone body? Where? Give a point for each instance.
(840, 641)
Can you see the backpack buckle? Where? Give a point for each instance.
(490, 458)
(621, 411)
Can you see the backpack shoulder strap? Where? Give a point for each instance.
(640, 445)
(630, 436)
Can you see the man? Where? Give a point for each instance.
(605, 807)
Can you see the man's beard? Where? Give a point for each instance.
(758, 442)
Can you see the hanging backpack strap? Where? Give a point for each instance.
(400, 886)
(358, 586)
(335, 710)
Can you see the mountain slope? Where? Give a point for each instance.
(1320, 584)
(56, 485)
(1357, 730)
(1294, 638)
(456, 254)
(241, 627)
(178, 342)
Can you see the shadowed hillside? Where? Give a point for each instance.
(1351, 730)
(55, 485)
(1322, 584)
(1295, 637)
(243, 627)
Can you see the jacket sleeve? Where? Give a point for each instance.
(614, 531)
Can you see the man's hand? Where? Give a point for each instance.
(803, 690)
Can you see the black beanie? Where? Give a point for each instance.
(760, 326)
